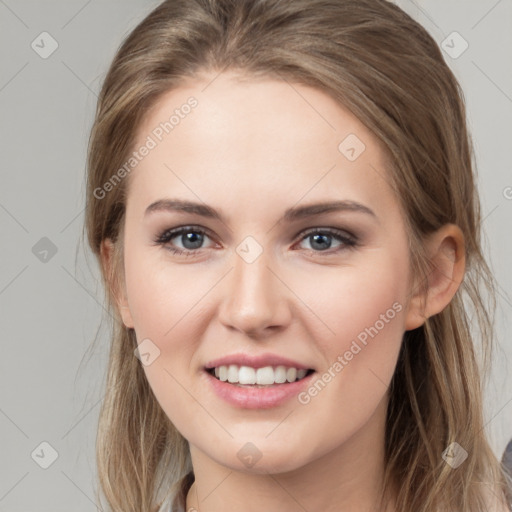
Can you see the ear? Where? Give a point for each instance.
(446, 252)
(113, 278)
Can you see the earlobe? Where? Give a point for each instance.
(446, 252)
(117, 289)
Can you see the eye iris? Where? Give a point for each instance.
(194, 238)
(318, 237)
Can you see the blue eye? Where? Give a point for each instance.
(322, 239)
(192, 238)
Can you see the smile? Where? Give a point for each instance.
(266, 376)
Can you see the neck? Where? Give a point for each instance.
(349, 477)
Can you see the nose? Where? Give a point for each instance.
(255, 300)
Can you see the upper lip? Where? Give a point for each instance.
(256, 361)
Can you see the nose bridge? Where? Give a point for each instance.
(255, 298)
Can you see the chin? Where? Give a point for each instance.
(263, 457)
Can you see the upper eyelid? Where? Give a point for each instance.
(327, 230)
(332, 231)
(174, 232)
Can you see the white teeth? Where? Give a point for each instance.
(291, 374)
(280, 375)
(246, 375)
(265, 376)
(223, 373)
(233, 373)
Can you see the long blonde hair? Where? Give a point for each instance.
(387, 70)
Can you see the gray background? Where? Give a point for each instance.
(51, 304)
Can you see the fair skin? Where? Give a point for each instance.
(251, 150)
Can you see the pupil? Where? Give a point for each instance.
(194, 238)
(317, 237)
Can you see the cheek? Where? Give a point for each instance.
(169, 306)
(349, 303)
(364, 310)
(163, 297)
(166, 307)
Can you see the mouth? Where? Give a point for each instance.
(265, 377)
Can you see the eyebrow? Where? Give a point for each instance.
(290, 215)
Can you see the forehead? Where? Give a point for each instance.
(262, 136)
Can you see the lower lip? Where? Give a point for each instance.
(257, 398)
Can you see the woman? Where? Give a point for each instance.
(282, 199)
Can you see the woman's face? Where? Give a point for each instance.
(271, 278)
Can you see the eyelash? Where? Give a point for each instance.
(349, 241)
